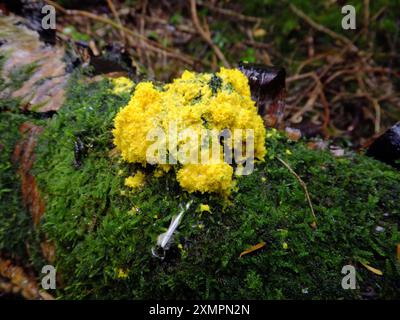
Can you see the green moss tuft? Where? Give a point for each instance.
(21, 74)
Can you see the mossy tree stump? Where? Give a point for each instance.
(79, 216)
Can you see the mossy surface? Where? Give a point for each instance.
(104, 233)
(14, 220)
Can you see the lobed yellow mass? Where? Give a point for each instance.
(195, 101)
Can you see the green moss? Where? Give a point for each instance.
(16, 79)
(99, 231)
(21, 74)
(12, 213)
(6, 103)
(101, 228)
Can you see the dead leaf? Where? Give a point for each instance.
(23, 157)
(48, 250)
(20, 281)
(398, 252)
(293, 134)
(317, 145)
(253, 248)
(313, 225)
(373, 270)
(259, 32)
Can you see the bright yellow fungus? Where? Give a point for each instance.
(201, 103)
(122, 274)
(204, 208)
(136, 181)
(121, 85)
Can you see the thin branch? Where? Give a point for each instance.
(327, 113)
(206, 35)
(366, 17)
(151, 45)
(230, 13)
(151, 19)
(116, 16)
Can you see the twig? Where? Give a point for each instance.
(151, 45)
(143, 54)
(380, 11)
(366, 18)
(116, 16)
(377, 107)
(310, 60)
(304, 186)
(151, 19)
(321, 28)
(206, 35)
(256, 44)
(318, 91)
(300, 77)
(327, 115)
(296, 118)
(372, 100)
(231, 13)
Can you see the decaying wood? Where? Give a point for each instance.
(45, 89)
(24, 157)
(17, 281)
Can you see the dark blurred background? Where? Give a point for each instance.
(341, 84)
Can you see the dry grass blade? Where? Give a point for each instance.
(304, 186)
(253, 248)
(372, 269)
(398, 252)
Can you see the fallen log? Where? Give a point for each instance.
(63, 201)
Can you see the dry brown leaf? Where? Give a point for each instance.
(23, 157)
(20, 282)
(48, 250)
(259, 32)
(293, 134)
(313, 225)
(398, 252)
(253, 248)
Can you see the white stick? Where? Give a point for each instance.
(164, 239)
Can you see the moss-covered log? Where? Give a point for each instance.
(100, 235)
